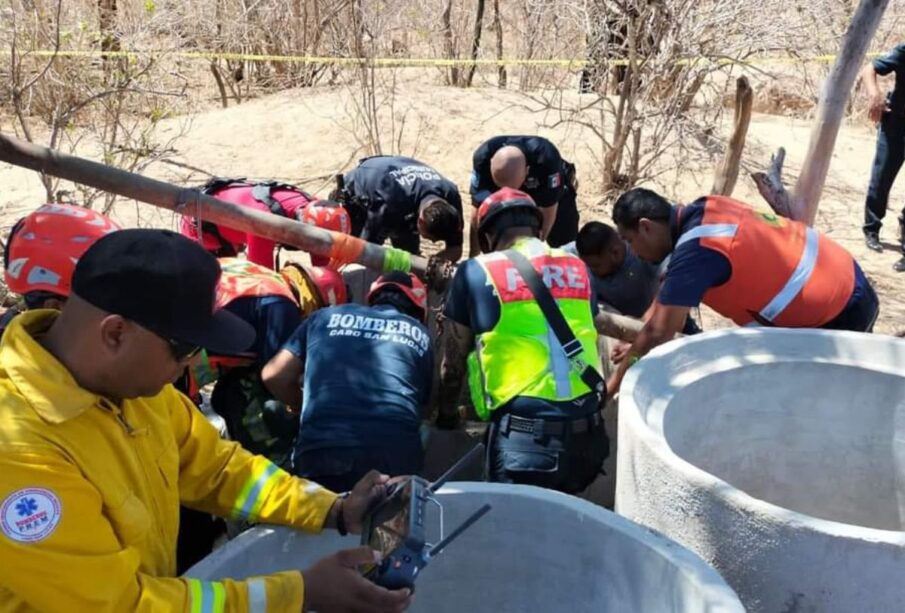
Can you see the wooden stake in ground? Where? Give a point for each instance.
(727, 172)
(803, 203)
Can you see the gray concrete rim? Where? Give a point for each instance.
(653, 438)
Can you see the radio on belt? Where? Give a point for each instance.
(396, 528)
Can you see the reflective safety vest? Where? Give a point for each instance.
(521, 356)
(241, 279)
(784, 273)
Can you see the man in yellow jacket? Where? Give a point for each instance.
(97, 449)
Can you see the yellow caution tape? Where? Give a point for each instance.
(403, 62)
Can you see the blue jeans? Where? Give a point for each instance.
(860, 314)
(888, 159)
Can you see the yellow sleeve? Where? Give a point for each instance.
(222, 478)
(61, 553)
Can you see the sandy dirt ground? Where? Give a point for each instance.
(308, 135)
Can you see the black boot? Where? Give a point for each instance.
(900, 265)
(873, 242)
(902, 232)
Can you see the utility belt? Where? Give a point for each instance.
(541, 428)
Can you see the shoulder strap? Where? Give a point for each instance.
(263, 192)
(570, 345)
(215, 184)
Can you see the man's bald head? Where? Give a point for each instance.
(508, 167)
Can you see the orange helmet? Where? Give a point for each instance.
(43, 247)
(410, 285)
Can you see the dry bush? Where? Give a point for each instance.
(108, 105)
(653, 90)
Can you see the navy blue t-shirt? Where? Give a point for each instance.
(631, 289)
(368, 374)
(472, 302)
(274, 319)
(393, 188)
(545, 179)
(894, 61)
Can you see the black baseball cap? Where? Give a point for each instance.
(164, 282)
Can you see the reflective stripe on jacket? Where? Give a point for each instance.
(90, 493)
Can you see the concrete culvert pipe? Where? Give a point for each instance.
(779, 457)
(536, 550)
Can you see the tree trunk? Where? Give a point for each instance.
(221, 87)
(446, 18)
(727, 172)
(475, 41)
(106, 13)
(498, 28)
(833, 100)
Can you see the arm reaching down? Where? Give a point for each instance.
(453, 367)
(549, 213)
(222, 478)
(877, 101)
(662, 326)
(282, 377)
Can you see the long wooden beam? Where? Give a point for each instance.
(192, 202)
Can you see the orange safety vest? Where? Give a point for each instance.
(784, 273)
(241, 279)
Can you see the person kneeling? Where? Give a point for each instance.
(367, 378)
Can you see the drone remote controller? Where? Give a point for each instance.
(396, 528)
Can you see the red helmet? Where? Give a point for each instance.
(328, 215)
(43, 247)
(330, 284)
(408, 284)
(506, 200)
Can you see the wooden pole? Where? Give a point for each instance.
(191, 202)
(727, 172)
(832, 108)
(617, 326)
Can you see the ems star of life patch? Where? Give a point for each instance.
(30, 515)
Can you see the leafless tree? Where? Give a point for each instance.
(70, 103)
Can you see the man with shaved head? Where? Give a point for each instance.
(532, 164)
